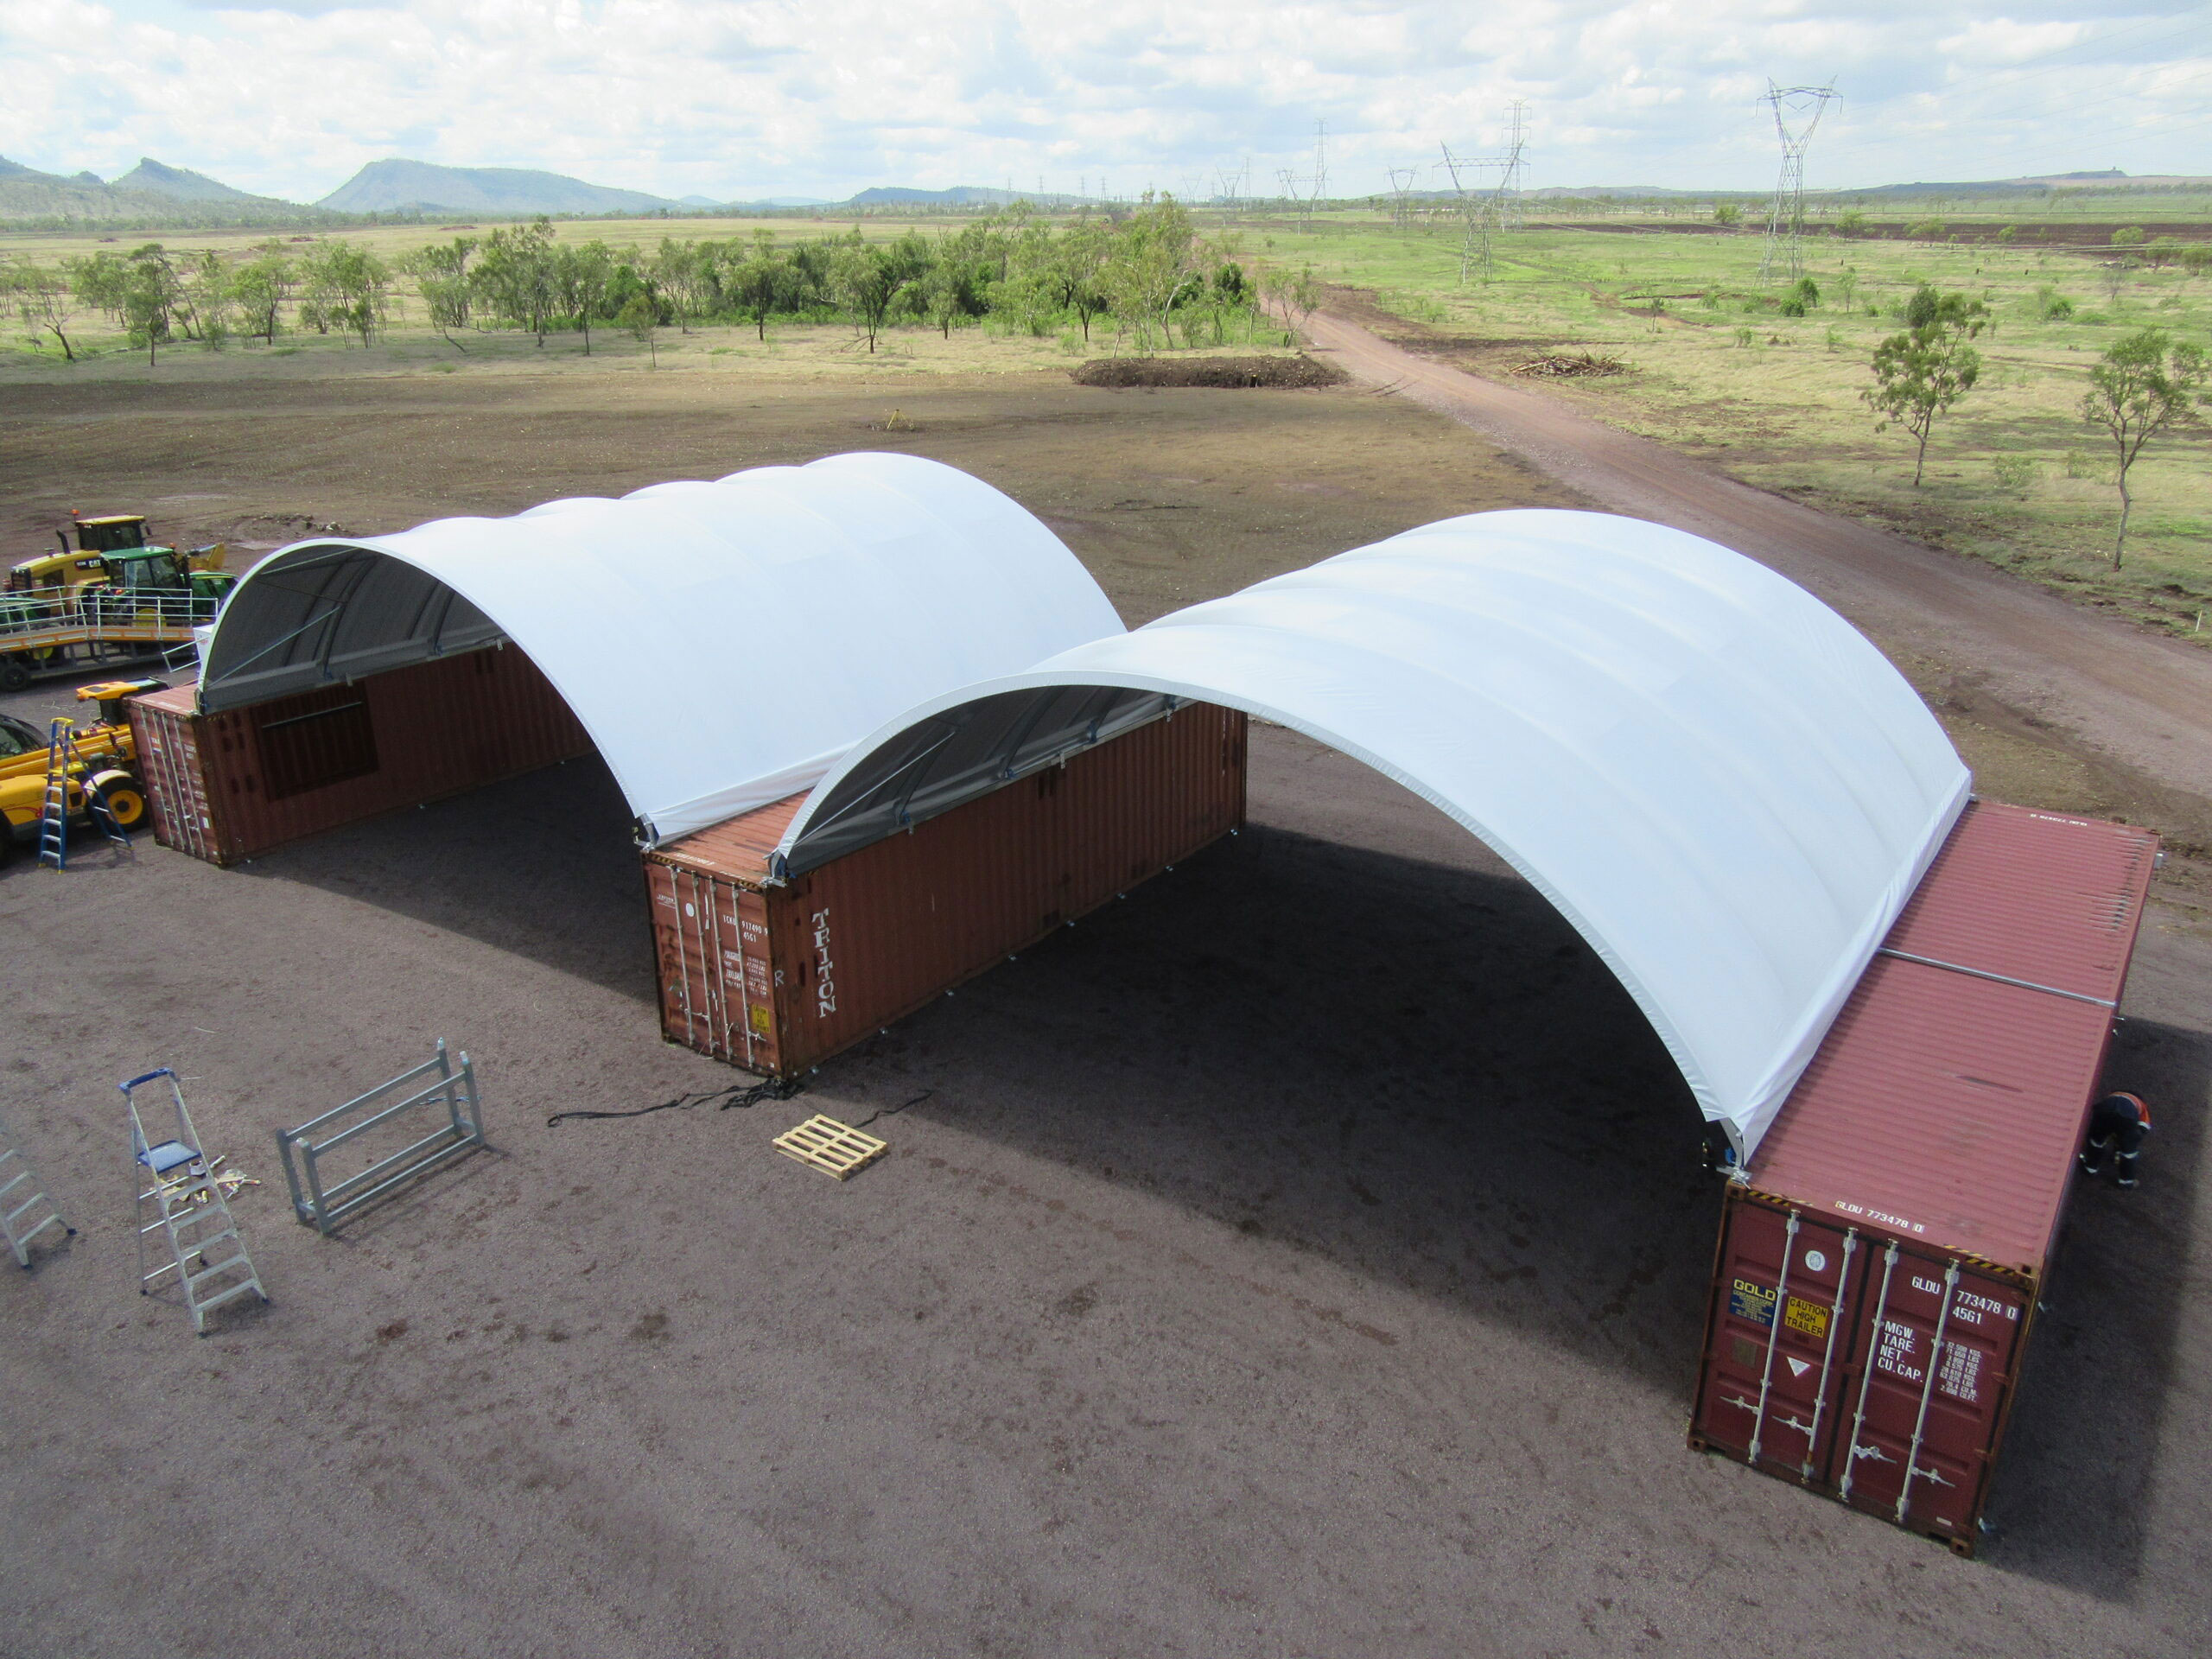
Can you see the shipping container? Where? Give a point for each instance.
(228, 786)
(1881, 1257)
(777, 976)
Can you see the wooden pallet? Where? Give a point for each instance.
(825, 1144)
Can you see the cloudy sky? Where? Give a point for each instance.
(824, 96)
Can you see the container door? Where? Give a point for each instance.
(1777, 1338)
(1932, 1362)
(684, 924)
(753, 990)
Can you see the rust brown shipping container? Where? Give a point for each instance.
(777, 976)
(226, 786)
(1880, 1262)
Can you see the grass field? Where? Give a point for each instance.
(1711, 365)
(2014, 475)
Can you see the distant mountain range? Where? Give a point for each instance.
(149, 194)
(153, 194)
(406, 186)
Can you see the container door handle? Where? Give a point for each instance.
(1828, 1355)
(1866, 1376)
(1774, 1333)
(1927, 1393)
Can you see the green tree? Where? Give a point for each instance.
(208, 301)
(1727, 212)
(262, 286)
(1296, 298)
(46, 301)
(2142, 386)
(1150, 267)
(871, 279)
(1920, 373)
(682, 274)
(642, 317)
(513, 278)
(761, 283)
(582, 275)
(345, 287)
(442, 278)
(140, 292)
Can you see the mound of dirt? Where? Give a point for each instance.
(1274, 373)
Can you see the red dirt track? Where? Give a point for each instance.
(2143, 702)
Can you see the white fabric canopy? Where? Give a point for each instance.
(722, 642)
(1726, 790)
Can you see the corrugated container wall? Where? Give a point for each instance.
(1879, 1266)
(226, 786)
(776, 977)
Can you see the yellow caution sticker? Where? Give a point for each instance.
(1811, 1318)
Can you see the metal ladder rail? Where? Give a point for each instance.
(53, 814)
(13, 1210)
(184, 1201)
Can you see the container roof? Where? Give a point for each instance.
(723, 643)
(1718, 781)
(1947, 1104)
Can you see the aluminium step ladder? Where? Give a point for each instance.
(25, 1209)
(62, 754)
(189, 1209)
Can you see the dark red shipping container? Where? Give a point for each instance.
(225, 786)
(1880, 1260)
(776, 976)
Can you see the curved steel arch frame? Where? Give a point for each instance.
(1724, 788)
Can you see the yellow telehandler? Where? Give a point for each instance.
(105, 761)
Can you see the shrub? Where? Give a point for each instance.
(2016, 475)
(1850, 219)
(1793, 307)
(2053, 306)
(1727, 212)
(1744, 336)
(1925, 230)
(2008, 234)
(2128, 236)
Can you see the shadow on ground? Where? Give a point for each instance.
(2072, 1490)
(1415, 1071)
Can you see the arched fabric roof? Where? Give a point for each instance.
(1726, 789)
(722, 642)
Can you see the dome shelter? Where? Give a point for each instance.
(719, 644)
(1726, 789)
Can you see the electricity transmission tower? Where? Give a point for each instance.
(1509, 182)
(1797, 111)
(1486, 212)
(1402, 184)
(1320, 169)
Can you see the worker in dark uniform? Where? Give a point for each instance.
(2117, 1126)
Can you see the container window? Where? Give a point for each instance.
(316, 746)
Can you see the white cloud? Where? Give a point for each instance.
(822, 97)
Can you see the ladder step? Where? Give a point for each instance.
(31, 1203)
(238, 1260)
(222, 1296)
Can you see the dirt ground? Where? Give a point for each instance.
(1305, 1256)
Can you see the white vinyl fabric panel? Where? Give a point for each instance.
(723, 643)
(1726, 789)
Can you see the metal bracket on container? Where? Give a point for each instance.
(323, 1207)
